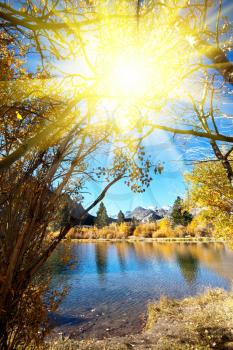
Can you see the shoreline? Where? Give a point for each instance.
(198, 322)
(142, 239)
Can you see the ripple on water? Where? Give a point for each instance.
(111, 284)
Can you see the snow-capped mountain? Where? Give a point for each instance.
(146, 215)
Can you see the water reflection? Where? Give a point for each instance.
(101, 258)
(111, 283)
(188, 266)
(121, 253)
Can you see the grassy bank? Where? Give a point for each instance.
(142, 239)
(202, 322)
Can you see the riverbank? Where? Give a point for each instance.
(202, 322)
(143, 239)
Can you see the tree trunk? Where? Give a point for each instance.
(3, 334)
(225, 162)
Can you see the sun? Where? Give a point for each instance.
(130, 65)
(129, 76)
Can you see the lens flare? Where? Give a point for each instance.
(127, 62)
(129, 77)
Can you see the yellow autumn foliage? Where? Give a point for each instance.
(211, 191)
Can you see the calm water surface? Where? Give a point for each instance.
(110, 284)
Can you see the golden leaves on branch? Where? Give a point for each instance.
(18, 116)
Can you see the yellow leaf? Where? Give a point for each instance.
(18, 116)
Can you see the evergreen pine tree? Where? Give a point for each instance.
(120, 217)
(187, 218)
(102, 217)
(178, 215)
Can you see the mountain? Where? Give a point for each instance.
(146, 215)
(141, 214)
(76, 212)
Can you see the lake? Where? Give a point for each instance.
(110, 284)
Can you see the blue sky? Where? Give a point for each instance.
(163, 191)
(164, 187)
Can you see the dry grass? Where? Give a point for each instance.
(198, 323)
(108, 232)
(201, 322)
(146, 230)
(160, 229)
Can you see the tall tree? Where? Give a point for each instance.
(176, 213)
(102, 216)
(54, 144)
(179, 215)
(211, 192)
(120, 217)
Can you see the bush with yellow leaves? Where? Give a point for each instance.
(164, 229)
(146, 230)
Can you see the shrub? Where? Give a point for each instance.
(146, 230)
(159, 234)
(73, 233)
(164, 224)
(180, 231)
(107, 231)
(164, 229)
(202, 231)
(138, 231)
(124, 230)
(200, 227)
(82, 233)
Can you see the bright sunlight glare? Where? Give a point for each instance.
(129, 77)
(135, 66)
